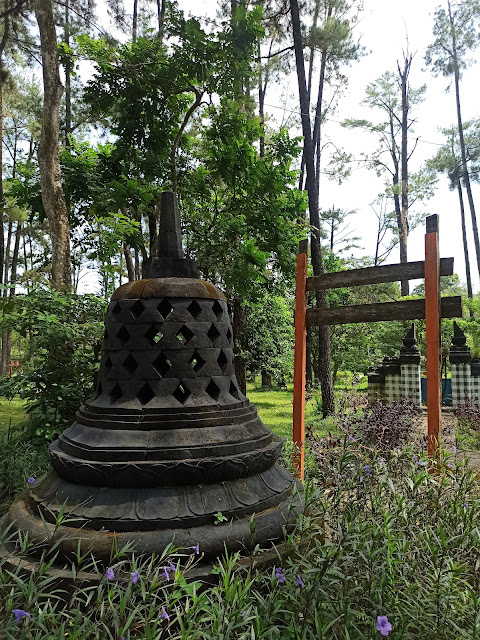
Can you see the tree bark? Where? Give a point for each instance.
(326, 384)
(135, 20)
(129, 262)
(238, 325)
(48, 156)
(68, 72)
(465, 243)
(161, 18)
(465, 174)
(403, 230)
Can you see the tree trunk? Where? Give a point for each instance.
(465, 174)
(161, 18)
(68, 73)
(309, 359)
(6, 262)
(137, 264)
(129, 262)
(48, 157)
(316, 252)
(7, 336)
(238, 325)
(266, 379)
(135, 20)
(403, 230)
(465, 244)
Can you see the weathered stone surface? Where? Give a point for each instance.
(168, 440)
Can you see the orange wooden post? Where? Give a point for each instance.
(432, 327)
(299, 366)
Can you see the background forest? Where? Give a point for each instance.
(104, 106)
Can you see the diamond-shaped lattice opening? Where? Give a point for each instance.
(185, 335)
(116, 393)
(196, 362)
(108, 364)
(213, 333)
(123, 334)
(154, 335)
(162, 365)
(222, 361)
(194, 309)
(117, 308)
(181, 393)
(130, 364)
(165, 308)
(234, 391)
(145, 394)
(137, 308)
(229, 334)
(213, 390)
(217, 309)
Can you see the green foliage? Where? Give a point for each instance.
(471, 326)
(241, 211)
(448, 157)
(64, 333)
(269, 337)
(380, 536)
(21, 458)
(456, 36)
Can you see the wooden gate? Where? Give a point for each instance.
(432, 308)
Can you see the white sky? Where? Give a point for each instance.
(383, 27)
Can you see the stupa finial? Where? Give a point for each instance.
(170, 261)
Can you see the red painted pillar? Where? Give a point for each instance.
(432, 328)
(299, 367)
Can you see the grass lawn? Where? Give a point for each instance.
(11, 410)
(274, 409)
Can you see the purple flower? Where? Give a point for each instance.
(450, 466)
(415, 459)
(109, 574)
(172, 567)
(454, 449)
(367, 470)
(165, 573)
(383, 625)
(31, 480)
(244, 613)
(19, 614)
(135, 576)
(196, 548)
(381, 461)
(164, 614)
(351, 438)
(280, 574)
(299, 581)
(122, 638)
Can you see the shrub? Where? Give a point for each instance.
(385, 426)
(382, 536)
(64, 333)
(20, 458)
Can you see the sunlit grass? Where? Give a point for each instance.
(12, 412)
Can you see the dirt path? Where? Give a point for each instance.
(449, 427)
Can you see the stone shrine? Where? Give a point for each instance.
(168, 440)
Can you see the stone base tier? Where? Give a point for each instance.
(258, 511)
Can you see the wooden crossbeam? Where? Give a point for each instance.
(451, 307)
(376, 275)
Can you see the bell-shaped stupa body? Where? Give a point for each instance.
(168, 440)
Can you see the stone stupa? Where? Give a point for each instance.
(168, 440)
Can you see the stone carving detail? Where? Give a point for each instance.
(168, 439)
